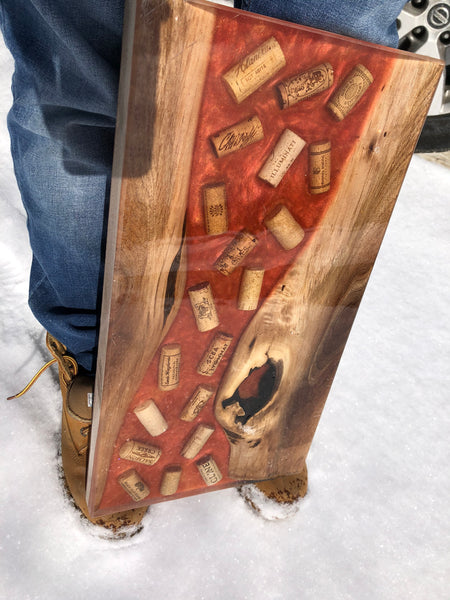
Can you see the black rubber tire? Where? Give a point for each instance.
(435, 136)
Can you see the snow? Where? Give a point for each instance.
(375, 523)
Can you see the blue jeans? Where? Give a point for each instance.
(67, 58)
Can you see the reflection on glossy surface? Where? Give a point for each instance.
(264, 367)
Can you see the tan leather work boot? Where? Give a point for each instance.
(77, 392)
(276, 498)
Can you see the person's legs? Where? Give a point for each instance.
(67, 58)
(368, 20)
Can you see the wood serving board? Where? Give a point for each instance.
(256, 376)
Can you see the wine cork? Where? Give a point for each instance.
(215, 208)
(319, 167)
(133, 485)
(236, 251)
(281, 158)
(196, 402)
(305, 84)
(139, 452)
(237, 136)
(214, 354)
(250, 73)
(169, 367)
(284, 227)
(203, 306)
(350, 92)
(151, 418)
(250, 289)
(170, 480)
(197, 440)
(209, 470)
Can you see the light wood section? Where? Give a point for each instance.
(161, 87)
(300, 330)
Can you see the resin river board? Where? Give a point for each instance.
(256, 165)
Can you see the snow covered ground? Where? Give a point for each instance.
(375, 524)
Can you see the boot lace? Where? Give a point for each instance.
(71, 365)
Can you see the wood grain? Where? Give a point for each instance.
(300, 331)
(161, 85)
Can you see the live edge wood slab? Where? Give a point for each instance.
(256, 166)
